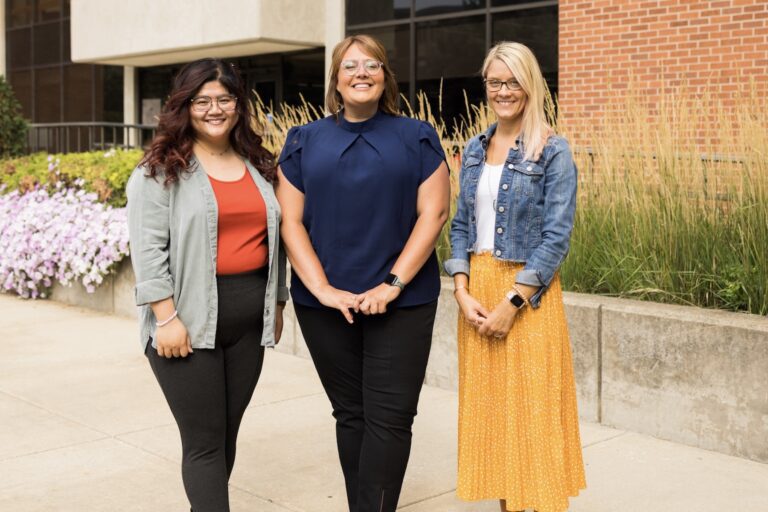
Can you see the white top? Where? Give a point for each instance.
(485, 206)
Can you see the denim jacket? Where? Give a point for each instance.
(173, 233)
(534, 216)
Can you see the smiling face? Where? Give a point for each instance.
(362, 89)
(508, 105)
(215, 124)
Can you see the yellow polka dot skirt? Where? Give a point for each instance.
(518, 423)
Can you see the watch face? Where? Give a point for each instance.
(517, 301)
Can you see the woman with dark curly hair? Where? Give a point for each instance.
(210, 274)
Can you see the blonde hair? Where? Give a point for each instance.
(524, 67)
(371, 46)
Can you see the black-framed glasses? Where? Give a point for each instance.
(227, 103)
(496, 85)
(371, 66)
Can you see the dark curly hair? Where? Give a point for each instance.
(170, 152)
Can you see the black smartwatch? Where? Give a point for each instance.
(516, 299)
(393, 280)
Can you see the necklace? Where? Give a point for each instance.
(490, 169)
(213, 153)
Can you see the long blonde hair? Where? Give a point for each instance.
(371, 46)
(525, 68)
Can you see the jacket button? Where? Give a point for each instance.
(501, 209)
(499, 230)
(529, 168)
(504, 187)
(510, 166)
(498, 252)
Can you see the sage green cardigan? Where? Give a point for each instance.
(173, 243)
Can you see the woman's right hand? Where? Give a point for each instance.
(337, 299)
(173, 340)
(471, 308)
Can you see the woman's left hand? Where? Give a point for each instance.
(499, 322)
(278, 322)
(375, 300)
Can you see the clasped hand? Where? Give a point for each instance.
(496, 323)
(371, 302)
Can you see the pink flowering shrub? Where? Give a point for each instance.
(61, 234)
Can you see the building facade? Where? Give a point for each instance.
(112, 60)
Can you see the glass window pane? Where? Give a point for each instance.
(501, 3)
(48, 95)
(48, 10)
(428, 7)
(47, 43)
(460, 73)
(66, 55)
(21, 83)
(19, 12)
(78, 92)
(370, 11)
(113, 94)
(304, 76)
(535, 28)
(397, 41)
(19, 48)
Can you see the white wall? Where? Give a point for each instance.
(152, 32)
(334, 30)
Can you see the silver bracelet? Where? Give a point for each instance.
(167, 320)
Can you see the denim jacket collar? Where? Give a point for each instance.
(486, 137)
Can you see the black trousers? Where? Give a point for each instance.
(372, 372)
(209, 390)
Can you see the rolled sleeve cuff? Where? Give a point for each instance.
(153, 290)
(282, 294)
(529, 278)
(456, 266)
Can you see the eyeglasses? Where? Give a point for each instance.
(204, 103)
(496, 85)
(371, 66)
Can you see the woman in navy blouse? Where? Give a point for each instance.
(364, 194)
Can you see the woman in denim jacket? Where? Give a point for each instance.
(518, 423)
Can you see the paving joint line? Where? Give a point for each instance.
(407, 505)
(267, 500)
(604, 440)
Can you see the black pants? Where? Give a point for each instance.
(209, 390)
(372, 372)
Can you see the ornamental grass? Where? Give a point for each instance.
(669, 209)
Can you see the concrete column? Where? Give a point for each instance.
(130, 102)
(2, 38)
(334, 30)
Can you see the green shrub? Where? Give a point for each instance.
(105, 173)
(13, 128)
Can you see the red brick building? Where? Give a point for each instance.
(604, 45)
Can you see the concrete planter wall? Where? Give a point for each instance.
(689, 375)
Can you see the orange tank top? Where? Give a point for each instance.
(242, 233)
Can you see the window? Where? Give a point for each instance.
(432, 40)
(430, 7)
(459, 74)
(371, 11)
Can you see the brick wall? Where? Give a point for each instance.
(658, 45)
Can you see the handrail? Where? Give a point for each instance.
(86, 136)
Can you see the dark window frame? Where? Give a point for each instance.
(488, 11)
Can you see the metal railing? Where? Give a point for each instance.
(75, 137)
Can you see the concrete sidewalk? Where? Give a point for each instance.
(84, 427)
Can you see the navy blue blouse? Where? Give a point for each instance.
(360, 183)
